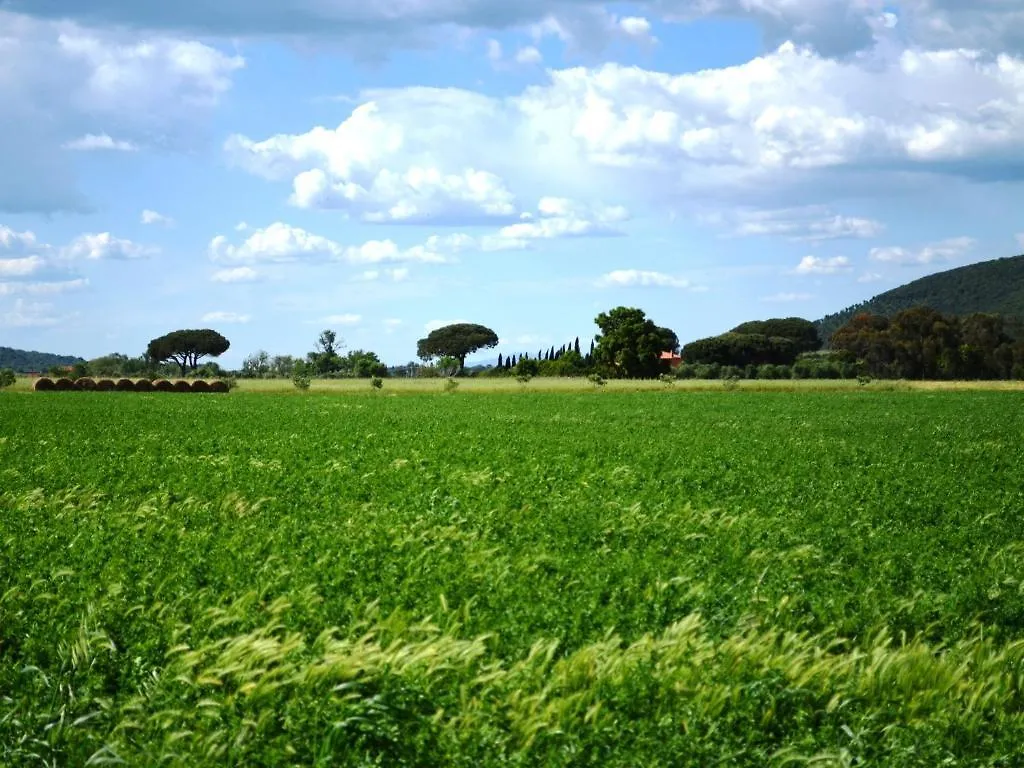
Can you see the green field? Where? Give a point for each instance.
(671, 577)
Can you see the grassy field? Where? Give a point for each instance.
(673, 577)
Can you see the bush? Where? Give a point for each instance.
(597, 379)
(44, 384)
(301, 381)
(7, 377)
(143, 385)
(524, 378)
(450, 385)
(125, 385)
(105, 385)
(376, 382)
(85, 384)
(64, 384)
(667, 379)
(686, 371)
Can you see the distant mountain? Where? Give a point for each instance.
(992, 286)
(23, 361)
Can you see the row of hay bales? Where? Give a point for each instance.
(45, 384)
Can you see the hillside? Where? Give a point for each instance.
(23, 361)
(995, 286)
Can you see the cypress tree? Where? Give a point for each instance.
(577, 345)
(501, 362)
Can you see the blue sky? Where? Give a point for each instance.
(271, 168)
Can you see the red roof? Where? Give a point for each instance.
(670, 356)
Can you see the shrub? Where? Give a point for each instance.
(667, 379)
(143, 385)
(85, 384)
(44, 384)
(201, 386)
(64, 384)
(182, 386)
(686, 371)
(450, 385)
(524, 378)
(597, 379)
(220, 387)
(7, 377)
(731, 382)
(163, 385)
(105, 385)
(376, 382)
(301, 381)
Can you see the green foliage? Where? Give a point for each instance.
(7, 378)
(741, 349)
(187, 347)
(450, 385)
(991, 287)
(456, 341)
(803, 333)
(597, 379)
(643, 579)
(523, 378)
(629, 344)
(302, 375)
(376, 382)
(25, 361)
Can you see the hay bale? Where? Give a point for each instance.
(200, 386)
(125, 385)
(163, 385)
(64, 385)
(105, 385)
(182, 386)
(44, 384)
(85, 384)
(143, 385)
(220, 387)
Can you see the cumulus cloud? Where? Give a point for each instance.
(92, 141)
(396, 274)
(807, 224)
(24, 266)
(42, 289)
(942, 251)
(152, 217)
(282, 242)
(104, 245)
(627, 278)
(235, 275)
(816, 265)
(225, 317)
(63, 84)
(558, 217)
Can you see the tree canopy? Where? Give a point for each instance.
(630, 344)
(803, 333)
(458, 341)
(187, 347)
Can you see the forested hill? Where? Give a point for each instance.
(992, 286)
(23, 361)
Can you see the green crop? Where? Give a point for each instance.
(665, 578)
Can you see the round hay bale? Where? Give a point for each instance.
(220, 387)
(44, 384)
(163, 385)
(200, 386)
(105, 385)
(125, 385)
(182, 386)
(85, 384)
(64, 385)
(143, 385)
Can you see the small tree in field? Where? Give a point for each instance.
(7, 377)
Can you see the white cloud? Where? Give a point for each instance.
(42, 288)
(104, 245)
(529, 55)
(225, 317)
(27, 314)
(63, 84)
(241, 226)
(21, 267)
(626, 278)
(236, 275)
(942, 251)
(152, 217)
(558, 217)
(817, 265)
(346, 319)
(101, 141)
(397, 274)
(813, 223)
(787, 297)
(391, 324)
(278, 242)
